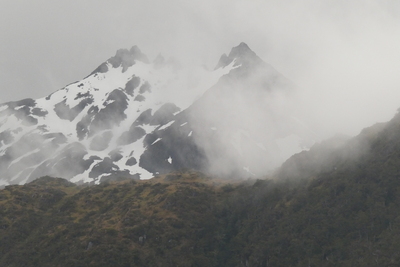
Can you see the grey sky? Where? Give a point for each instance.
(344, 55)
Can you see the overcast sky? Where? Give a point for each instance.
(343, 55)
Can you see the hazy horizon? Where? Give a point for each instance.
(343, 56)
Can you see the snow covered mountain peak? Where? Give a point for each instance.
(134, 118)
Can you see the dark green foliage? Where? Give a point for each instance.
(341, 221)
(343, 211)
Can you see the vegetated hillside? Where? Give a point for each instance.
(166, 221)
(342, 211)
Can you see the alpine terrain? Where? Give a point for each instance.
(336, 204)
(134, 118)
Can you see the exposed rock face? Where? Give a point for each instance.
(132, 84)
(124, 119)
(131, 136)
(68, 163)
(242, 55)
(64, 112)
(125, 58)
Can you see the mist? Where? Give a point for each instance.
(341, 57)
(339, 53)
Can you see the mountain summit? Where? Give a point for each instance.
(242, 54)
(135, 118)
(125, 58)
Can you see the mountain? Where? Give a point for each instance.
(334, 205)
(135, 118)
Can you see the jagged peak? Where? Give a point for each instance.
(241, 50)
(123, 57)
(242, 53)
(136, 51)
(127, 58)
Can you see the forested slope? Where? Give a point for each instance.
(340, 210)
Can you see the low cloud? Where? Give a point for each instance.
(342, 56)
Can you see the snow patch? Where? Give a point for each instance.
(8, 122)
(108, 102)
(166, 125)
(149, 128)
(247, 169)
(158, 139)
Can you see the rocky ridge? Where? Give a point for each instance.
(135, 118)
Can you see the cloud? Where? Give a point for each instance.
(343, 54)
